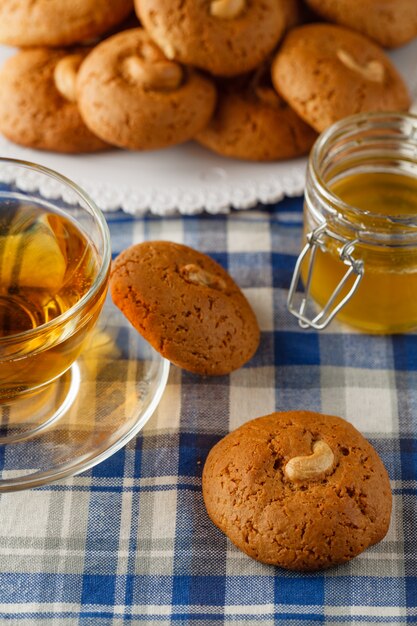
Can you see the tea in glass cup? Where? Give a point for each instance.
(54, 264)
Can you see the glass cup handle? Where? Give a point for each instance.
(317, 239)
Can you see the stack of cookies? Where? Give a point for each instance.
(249, 79)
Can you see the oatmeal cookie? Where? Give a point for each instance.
(298, 489)
(328, 72)
(186, 305)
(132, 96)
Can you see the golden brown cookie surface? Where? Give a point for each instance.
(58, 22)
(224, 37)
(252, 122)
(300, 490)
(390, 23)
(130, 95)
(37, 102)
(295, 13)
(186, 305)
(328, 72)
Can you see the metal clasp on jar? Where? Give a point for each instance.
(315, 240)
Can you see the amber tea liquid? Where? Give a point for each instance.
(47, 264)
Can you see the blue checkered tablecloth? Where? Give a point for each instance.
(129, 542)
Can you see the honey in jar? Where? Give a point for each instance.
(359, 262)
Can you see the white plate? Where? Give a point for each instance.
(186, 178)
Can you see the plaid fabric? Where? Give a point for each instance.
(130, 542)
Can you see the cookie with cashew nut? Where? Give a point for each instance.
(132, 96)
(327, 72)
(28, 23)
(300, 490)
(224, 37)
(186, 305)
(253, 122)
(391, 23)
(38, 106)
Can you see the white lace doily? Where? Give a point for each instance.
(186, 178)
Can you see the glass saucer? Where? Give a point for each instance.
(86, 415)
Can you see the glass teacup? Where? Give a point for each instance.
(54, 265)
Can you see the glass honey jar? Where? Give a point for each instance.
(359, 260)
